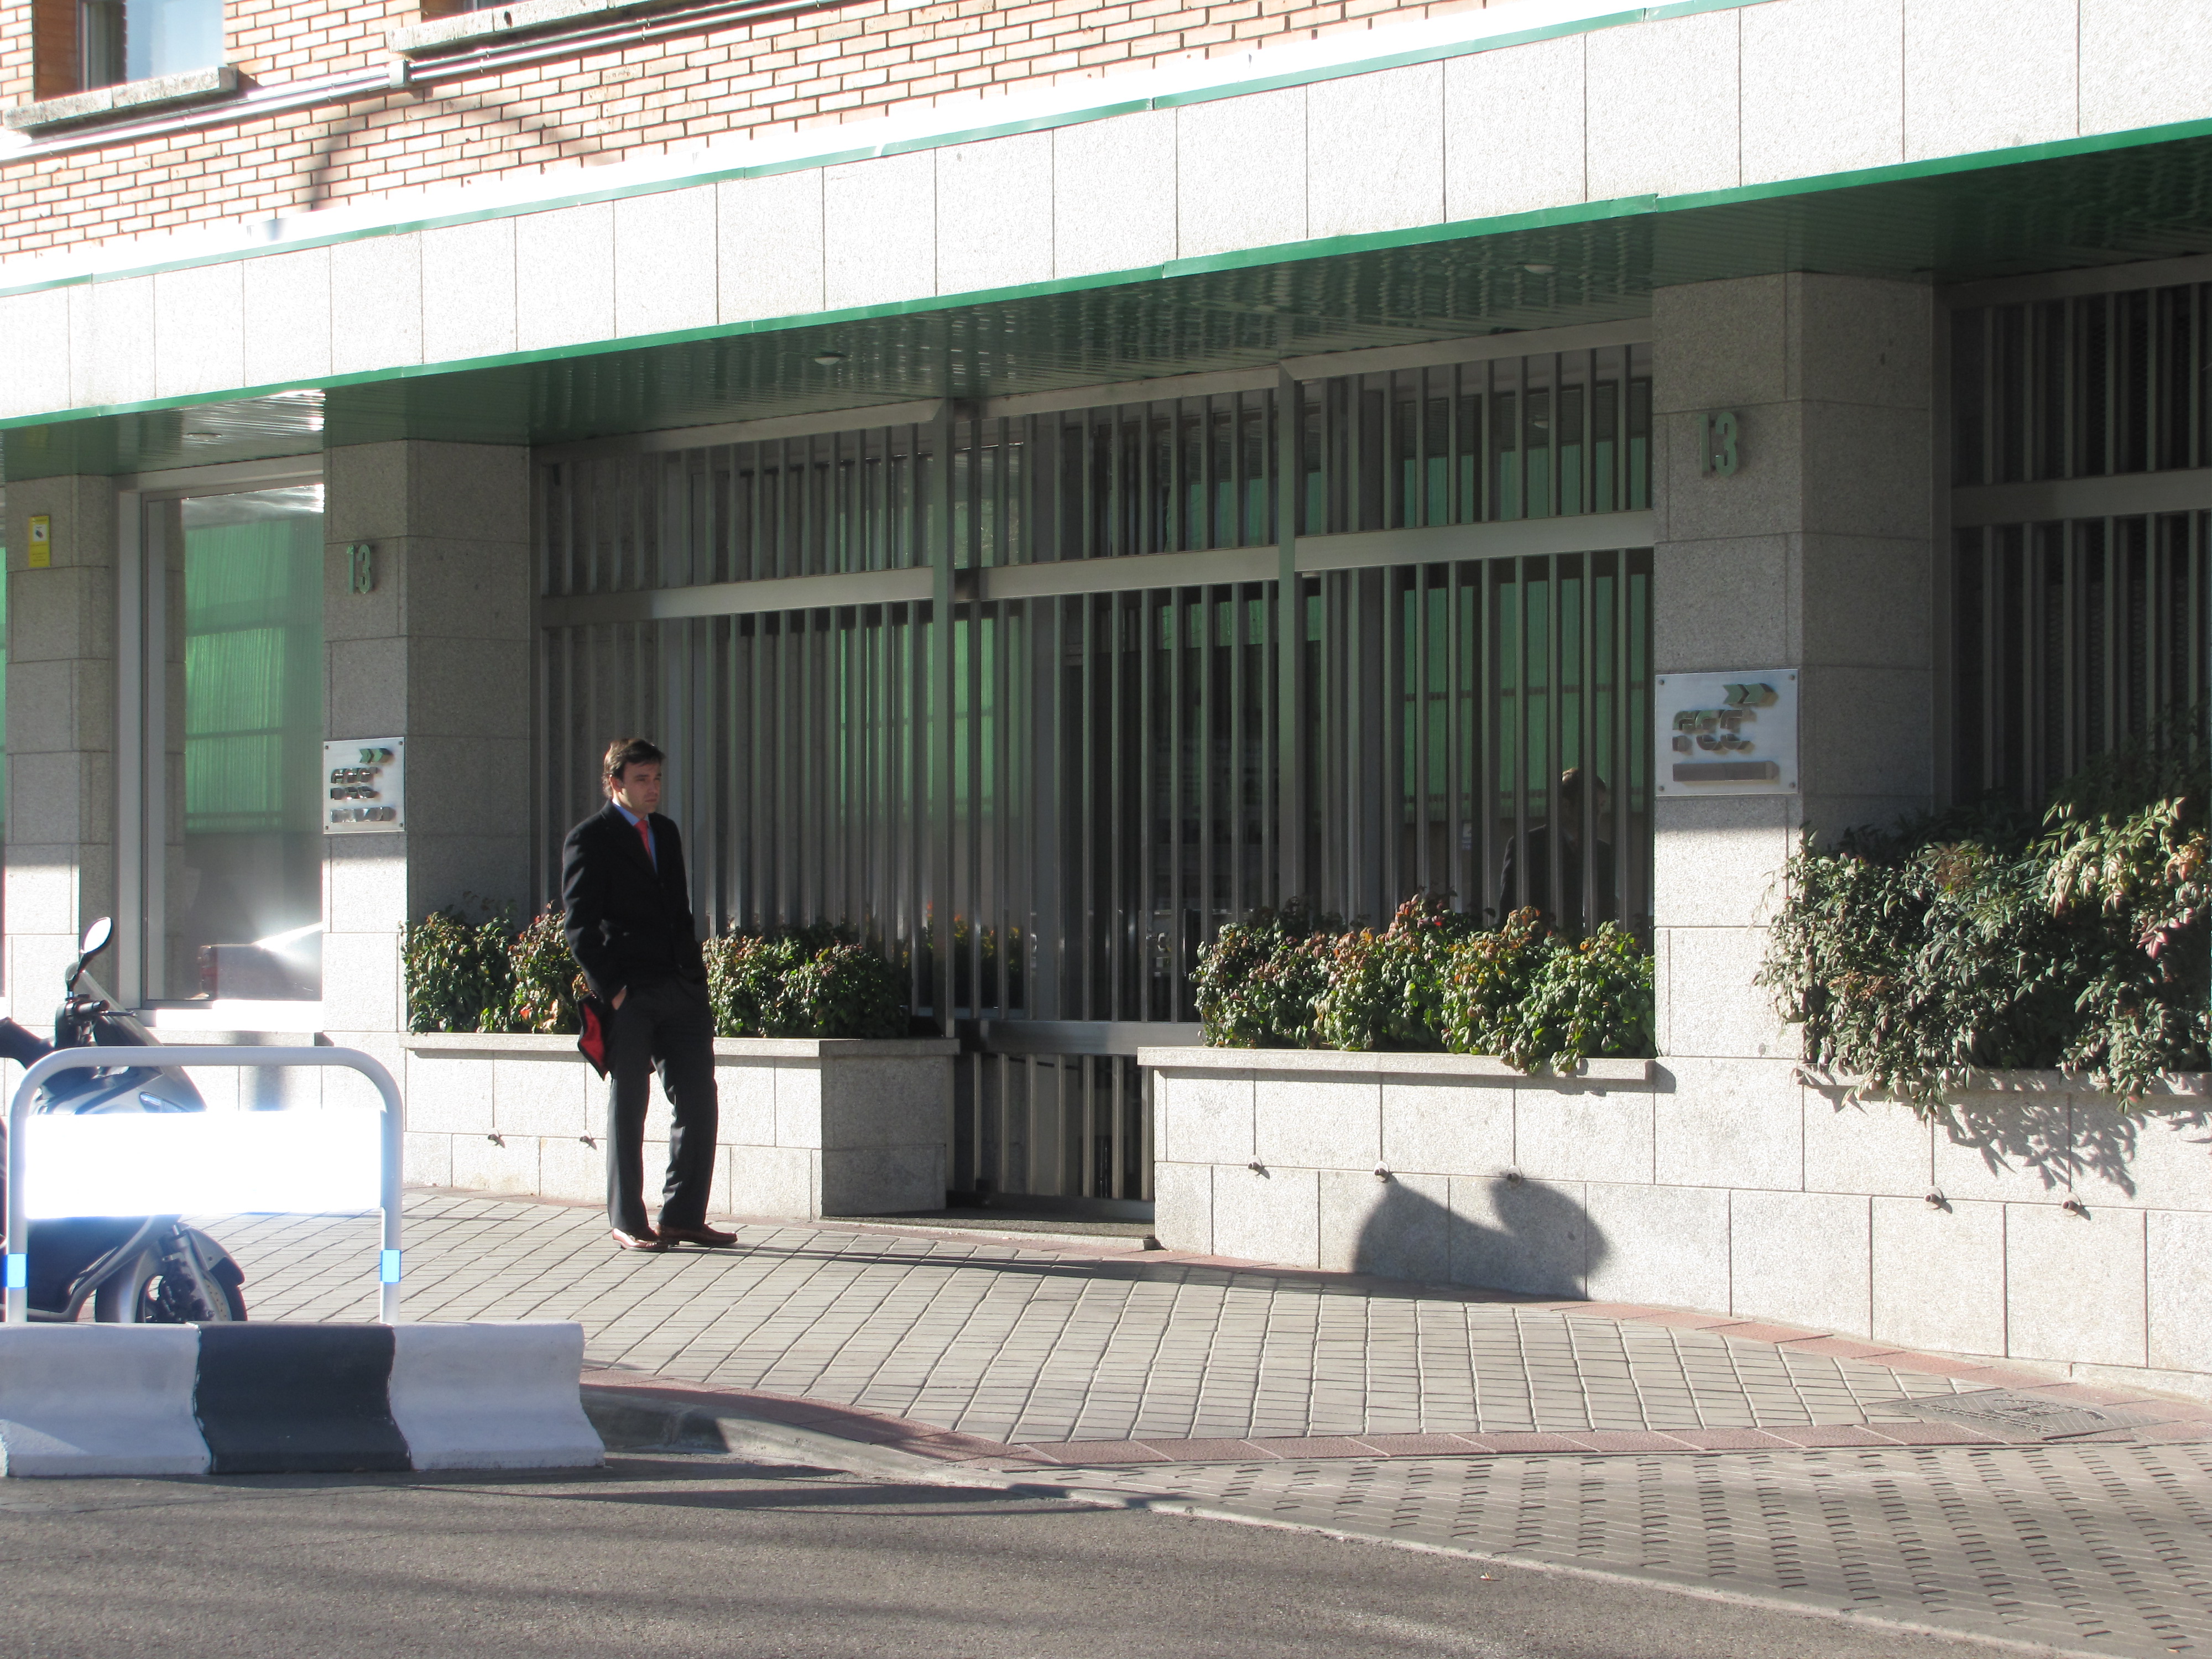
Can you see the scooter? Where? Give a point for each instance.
(146, 1270)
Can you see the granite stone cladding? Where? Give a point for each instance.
(2030, 1221)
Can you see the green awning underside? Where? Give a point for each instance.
(2097, 203)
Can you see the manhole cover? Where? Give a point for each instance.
(2029, 1416)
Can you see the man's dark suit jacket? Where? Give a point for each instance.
(628, 923)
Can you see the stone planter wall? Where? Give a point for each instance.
(1750, 1188)
(807, 1127)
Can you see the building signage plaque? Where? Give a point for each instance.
(1726, 733)
(364, 786)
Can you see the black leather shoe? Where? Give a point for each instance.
(649, 1241)
(711, 1237)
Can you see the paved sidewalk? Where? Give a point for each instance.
(1716, 1455)
(1046, 1347)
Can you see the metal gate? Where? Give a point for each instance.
(1004, 690)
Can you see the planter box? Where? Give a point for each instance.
(808, 1127)
(1751, 1188)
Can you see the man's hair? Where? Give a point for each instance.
(629, 751)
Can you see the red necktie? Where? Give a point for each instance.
(645, 834)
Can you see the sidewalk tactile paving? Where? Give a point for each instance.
(2096, 1549)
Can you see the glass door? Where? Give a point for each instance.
(232, 843)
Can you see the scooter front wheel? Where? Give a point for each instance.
(141, 1294)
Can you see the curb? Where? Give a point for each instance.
(291, 1399)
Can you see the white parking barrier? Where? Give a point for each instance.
(100, 1400)
(266, 1398)
(265, 1162)
(492, 1397)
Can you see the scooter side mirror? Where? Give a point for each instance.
(95, 940)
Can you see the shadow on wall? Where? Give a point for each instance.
(2055, 1134)
(1497, 1232)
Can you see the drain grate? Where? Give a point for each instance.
(2016, 1416)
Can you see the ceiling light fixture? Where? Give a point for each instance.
(1539, 271)
(828, 359)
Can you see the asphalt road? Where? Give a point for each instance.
(675, 1557)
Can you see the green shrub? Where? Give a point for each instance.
(1587, 997)
(1966, 940)
(485, 976)
(545, 979)
(457, 972)
(2128, 852)
(1257, 983)
(1386, 991)
(804, 983)
(1488, 974)
(1432, 979)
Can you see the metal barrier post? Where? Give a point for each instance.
(80, 1060)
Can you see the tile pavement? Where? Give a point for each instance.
(1073, 1357)
(1669, 1448)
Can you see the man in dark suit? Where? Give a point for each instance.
(629, 923)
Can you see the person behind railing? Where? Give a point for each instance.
(1527, 883)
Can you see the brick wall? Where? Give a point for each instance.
(868, 57)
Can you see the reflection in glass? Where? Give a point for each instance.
(238, 885)
(139, 39)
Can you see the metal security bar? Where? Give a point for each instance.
(2089, 387)
(1042, 789)
(2071, 637)
(1534, 437)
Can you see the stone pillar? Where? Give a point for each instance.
(60, 850)
(1816, 555)
(438, 653)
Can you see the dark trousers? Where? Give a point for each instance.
(667, 1028)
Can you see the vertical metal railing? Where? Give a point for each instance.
(2094, 386)
(1044, 806)
(2070, 637)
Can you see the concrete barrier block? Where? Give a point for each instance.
(297, 1399)
(100, 1400)
(483, 1396)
